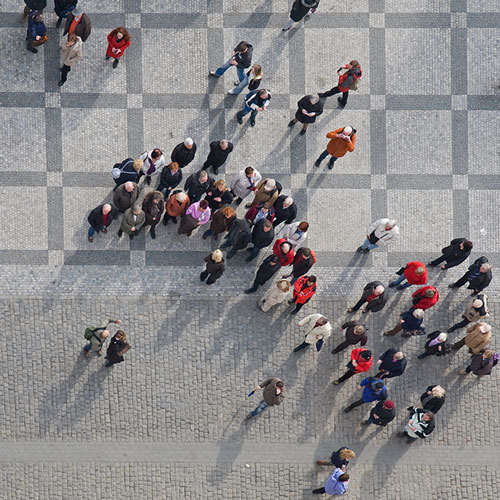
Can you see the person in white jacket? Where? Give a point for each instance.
(317, 329)
(275, 295)
(296, 233)
(244, 183)
(154, 161)
(379, 233)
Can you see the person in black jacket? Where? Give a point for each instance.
(381, 414)
(214, 268)
(339, 458)
(454, 254)
(170, 178)
(118, 346)
(262, 237)
(266, 271)
(300, 9)
(100, 218)
(375, 295)
(127, 170)
(241, 58)
(197, 185)
(219, 195)
(30, 5)
(62, 8)
(238, 236)
(184, 152)
(391, 364)
(285, 210)
(219, 151)
(310, 107)
(435, 345)
(432, 399)
(303, 260)
(479, 276)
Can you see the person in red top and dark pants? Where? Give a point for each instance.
(284, 251)
(415, 273)
(118, 41)
(303, 290)
(346, 80)
(425, 297)
(100, 218)
(361, 361)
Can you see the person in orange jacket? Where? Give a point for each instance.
(415, 273)
(342, 140)
(284, 251)
(303, 290)
(361, 361)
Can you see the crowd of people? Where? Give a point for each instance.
(212, 203)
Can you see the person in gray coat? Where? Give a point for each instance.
(133, 219)
(375, 295)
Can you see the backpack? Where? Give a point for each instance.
(89, 331)
(117, 169)
(355, 84)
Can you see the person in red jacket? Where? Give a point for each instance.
(304, 259)
(361, 361)
(303, 290)
(118, 41)
(425, 297)
(346, 81)
(284, 251)
(415, 273)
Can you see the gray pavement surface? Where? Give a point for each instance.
(168, 423)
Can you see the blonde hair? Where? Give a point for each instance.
(120, 334)
(217, 255)
(283, 285)
(438, 391)
(347, 454)
(398, 355)
(138, 164)
(257, 71)
(220, 184)
(359, 330)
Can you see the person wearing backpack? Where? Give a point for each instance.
(349, 76)
(127, 170)
(255, 102)
(97, 337)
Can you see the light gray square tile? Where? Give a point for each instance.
(484, 220)
(162, 6)
(379, 181)
(460, 182)
(483, 61)
(379, 259)
(417, 6)
(299, 181)
(377, 20)
(54, 179)
(377, 102)
(215, 20)
(56, 258)
(134, 101)
(458, 102)
(52, 100)
(484, 153)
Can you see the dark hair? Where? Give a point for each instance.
(367, 354)
(267, 223)
(280, 384)
(343, 477)
(274, 258)
(312, 278)
(156, 153)
(121, 30)
(38, 18)
(262, 91)
(249, 170)
(241, 47)
(305, 226)
(203, 204)
(430, 414)
(468, 245)
(306, 251)
(377, 385)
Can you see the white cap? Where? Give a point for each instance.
(270, 184)
(347, 130)
(188, 141)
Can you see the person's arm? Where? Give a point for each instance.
(351, 143)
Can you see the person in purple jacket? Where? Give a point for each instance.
(336, 484)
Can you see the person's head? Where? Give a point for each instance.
(156, 196)
(217, 255)
(390, 224)
(353, 64)
(257, 71)
(420, 270)
(428, 416)
(267, 225)
(379, 290)
(249, 171)
(323, 320)
(398, 356)
(485, 267)
(283, 285)
(429, 293)
(228, 212)
(203, 177)
(181, 197)
(442, 337)
(263, 94)
(303, 226)
(484, 328)
(106, 208)
(156, 154)
(121, 33)
(174, 166)
(136, 208)
(418, 313)
(359, 330)
(120, 335)
(224, 144)
(388, 404)
(347, 454)
(287, 202)
(129, 186)
(273, 261)
(488, 354)
(72, 39)
(280, 384)
(77, 11)
(314, 98)
(220, 185)
(347, 130)
(188, 143)
(138, 164)
(203, 205)
(343, 477)
(306, 251)
(466, 245)
(477, 303)
(241, 48)
(377, 385)
(285, 248)
(269, 185)
(366, 354)
(266, 206)
(104, 334)
(311, 280)
(438, 391)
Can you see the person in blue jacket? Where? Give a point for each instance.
(410, 322)
(36, 31)
(374, 390)
(336, 484)
(255, 102)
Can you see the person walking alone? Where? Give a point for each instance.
(71, 53)
(454, 254)
(420, 425)
(301, 9)
(317, 330)
(373, 390)
(378, 233)
(274, 393)
(414, 273)
(381, 414)
(336, 484)
(475, 310)
(309, 108)
(342, 141)
(214, 268)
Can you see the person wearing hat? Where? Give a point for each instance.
(420, 425)
(478, 337)
(286, 210)
(373, 390)
(381, 414)
(414, 273)
(133, 219)
(481, 364)
(391, 364)
(374, 295)
(475, 310)
(317, 330)
(269, 267)
(379, 233)
(342, 141)
(436, 345)
(454, 254)
(176, 206)
(184, 152)
(479, 276)
(256, 102)
(78, 23)
(410, 322)
(349, 75)
(301, 9)
(214, 268)
(361, 361)
(266, 190)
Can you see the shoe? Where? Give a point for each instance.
(32, 49)
(248, 205)
(331, 165)
(463, 372)
(365, 311)
(249, 416)
(131, 236)
(323, 462)
(293, 313)
(450, 330)
(336, 382)
(249, 290)
(420, 356)
(249, 258)
(302, 132)
(216, 236)
(61, 83)
(153, 233)
(165, 221)
(400, 287)
(360, 249)
(108, 57)
(401, 434)
(291, 301)
(321, 94)
(452, 286)
(291, 123)
(174, 220)
(236, 83)
(335, 351)
(115, 63)
(58, 24)
(406, 335)
(388, 334)
(410, 408)
(85, 353)
(238, 201)
(364, 422)
(104, 230)
(216, 170)
(317, 163)
(205, 236)
(286, 29)
(342, 105)
(213, 73)
(120, 232)
(473, 293)
(390, 284)
(231, 92)
(348, 409)
(252, 123)
(430, 264)
(90, 238)
(240, 120)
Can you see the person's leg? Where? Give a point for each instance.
(328, 93)
(351, 407)
(367, 245)
(395, 330)
(64, 73)
(26, 12)
(241, 74)
(304, 128)
(298, 307)
(424, 355)
(86, 349)
(91, 232)
(291, 123)
(115, 62)
(222, 69)
(347, 375)
(461, 282)
(210, 280)
(343, 99)
(240, 114)
(161, 187)
(437, 261)
(304, 345)
(331, 161)
(459, 344)
(243, 83)
(288, 25)
(319, 491)
(460, 324)
(322, 156)
(231, 253)
(262, 406)
(252, 117)
(398, 281)
(254, 251)
(207, 233)
(356, 306)
(166, 218)
(341, 347)
(294, 279)
(203, 275)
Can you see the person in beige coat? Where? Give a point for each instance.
(317, 329)
(475, 310)
(133, 219)
(276, 295)
(477, 338)
(71, 53)
(267, 190)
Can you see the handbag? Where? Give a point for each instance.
(37, 43)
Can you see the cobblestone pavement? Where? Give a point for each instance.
(168, 423)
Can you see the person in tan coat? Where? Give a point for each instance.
(71, 53)
(475, 310)
(133, 219)
(276, 295)
(317, 329)
(267, 190)
(176, 206)
(342, 141)
(477, 338)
